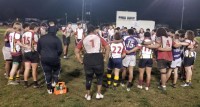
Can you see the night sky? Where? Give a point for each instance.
(162, 11)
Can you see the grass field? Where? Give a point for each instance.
(73, 74)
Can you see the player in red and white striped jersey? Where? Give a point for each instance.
(15, 44)
(93, 59)
(31, 57)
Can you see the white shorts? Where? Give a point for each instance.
(176, 63)
(7, 53)
(129, 60)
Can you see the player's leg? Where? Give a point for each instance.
(89, 72)
(109, 73)
(116, 77)
(26, 73)
(148, 79)
(149, 66)
(34, 74)
(34, 64)
(47, 69)
(175, 77)
(15, 66)
(99, 70)
(130, 77)
(162, 65)
(141, 72)
(169, 72)
(56, 72)
(124, 71)
(8, 65)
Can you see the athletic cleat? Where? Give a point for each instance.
(65, 57)
(99, 96)
(49, 91)
(185, 85)
(11, 82)
(36, 86)
(88, 97)
(164, 88)
(122, 84)
(139, 86)
(173, 85)
(128, 89)
(146, 88)
(53, 84)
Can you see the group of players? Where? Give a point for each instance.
(170, 50)
(20, 53)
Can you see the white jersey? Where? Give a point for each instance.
(80, 33)
(166, 42)
(187, 52)
(146, 53)
(92, 44)
(116, 50)
(67, 31)
(13, 38)
(30, 39)
(111, 32)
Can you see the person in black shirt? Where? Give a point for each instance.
(50, 49)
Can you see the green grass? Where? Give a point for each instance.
(73, 74)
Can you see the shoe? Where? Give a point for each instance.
(26, 86)
(99, 96)
(107, 86)
(173, 85)
(65, 57)
(164, 88)
(17, 80)
(36, 86)
(129, 86)
(88, 97)
(146, 88)
(139, 86)
(122, 84)
(185, 85)
(114, 88)
(53, 84)
(11, 82)
(49, 91)
(128, 89)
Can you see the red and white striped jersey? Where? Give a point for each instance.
(13, 39)
(80, 33)
(187, 52)
(146, 53)
(92, 44)
(117, 49)
(29, 38)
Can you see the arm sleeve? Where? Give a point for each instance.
(59, 47)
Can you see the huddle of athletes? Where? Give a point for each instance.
(173, 52)
(21, 40)
(120, 47)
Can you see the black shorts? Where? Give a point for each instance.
(77, 41)
(98, 70)
(145, 63)
(188, 61)
(66, 41)
(17, 59)
(163, 64)
(32, 57)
